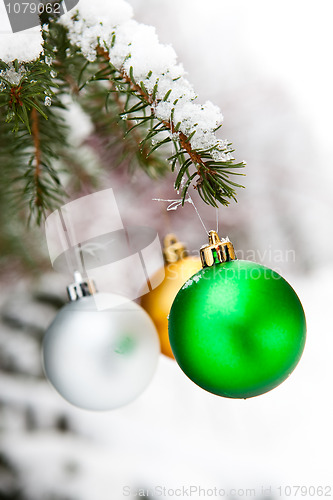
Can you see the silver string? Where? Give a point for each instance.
(197, 211)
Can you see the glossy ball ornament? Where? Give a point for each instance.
(100, 359)
(237, 329)
(178, 269)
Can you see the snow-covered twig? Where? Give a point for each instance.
(148, 69)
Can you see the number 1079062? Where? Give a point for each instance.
(33, 8)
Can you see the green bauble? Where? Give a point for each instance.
(237, 329)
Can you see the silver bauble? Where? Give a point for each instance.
(100, 359)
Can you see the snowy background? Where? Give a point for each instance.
(268, 66)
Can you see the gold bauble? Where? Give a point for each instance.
(178, 269)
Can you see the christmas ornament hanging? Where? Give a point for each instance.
(237, 329)
(100, 359)
(179, 267)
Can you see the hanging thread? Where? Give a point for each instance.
(174, 204)
(197, 211)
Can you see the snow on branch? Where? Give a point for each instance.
(135, 50)
(152, 71)
(101, 41)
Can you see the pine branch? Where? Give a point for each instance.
(29, 146)
(103, 105)
(126, 110)
(211, 176)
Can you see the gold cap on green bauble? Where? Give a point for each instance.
(216, 251)
(236, 328)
